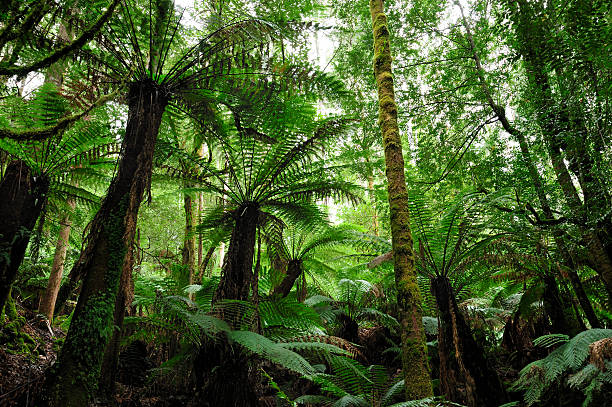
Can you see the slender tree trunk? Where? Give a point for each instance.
(530, 35)
(189, 247)
(74, 378)
(483, 386)
(200, 241)
(47, 304)
(559, 235)
(373, 203)
(22, 200)
(414, 352)
(294, 271)
(205, 262)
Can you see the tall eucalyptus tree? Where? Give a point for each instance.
(414, 356)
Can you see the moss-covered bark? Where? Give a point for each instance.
(75, 376)
(414, 352)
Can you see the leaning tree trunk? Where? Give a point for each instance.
(21, 200)
(47, 305)
(482, 384)
(74, 378)
(294, 270)
(530, 35)
(414, 352)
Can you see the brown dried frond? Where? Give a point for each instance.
(600, 352)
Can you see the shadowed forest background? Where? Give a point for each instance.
(305, 203)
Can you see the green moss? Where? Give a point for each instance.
(81, 357)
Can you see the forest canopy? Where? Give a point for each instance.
(305, 203)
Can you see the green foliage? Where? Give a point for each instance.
(567, 365)
(350, 384)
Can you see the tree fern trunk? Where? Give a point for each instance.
(482, 384)
(22, 199)
(75, 376)
(294, 270)
(414, 352)
(238, 267)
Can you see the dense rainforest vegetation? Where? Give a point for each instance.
(306, 203)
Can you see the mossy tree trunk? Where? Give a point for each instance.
(464, 357)
(47, 304)
(75, 376)
(414, 352)
(125, 296)
(21, 200)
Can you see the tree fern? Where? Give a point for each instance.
(568, 360)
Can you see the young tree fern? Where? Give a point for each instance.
(583, 363)
(41, 172)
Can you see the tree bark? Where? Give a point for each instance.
(23, 196)
(189, 247)
(414, 352)
(483, 386)
(238, 267)
(559, 235)
(47, 304)
(294, 271)
(125, 296)
(74, 378)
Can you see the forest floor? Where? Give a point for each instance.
(26, 352)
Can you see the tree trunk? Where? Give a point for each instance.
(204, 265)
(238, 267)
(556, 309)
(373, 203)
(74, 378)
(47, 304)
(189, 247)
(23, 195)
(294, 270)
(125, 296)
(414, 351)
(548, 117)
(482, 384)
(559, 234)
